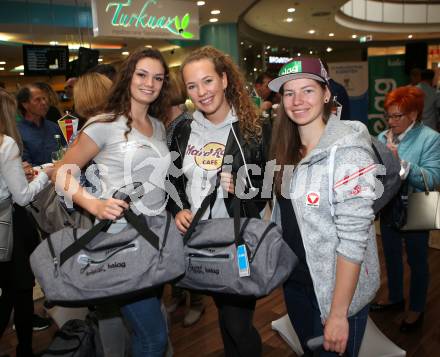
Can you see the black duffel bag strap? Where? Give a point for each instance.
(238, 234)
(139, 223)
(203, 207)
(79, 244)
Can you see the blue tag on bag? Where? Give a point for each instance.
(242, 261)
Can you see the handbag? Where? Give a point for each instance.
(241, 256)
(6, 230)
(79, 267)
(423, 211)
(51, 215)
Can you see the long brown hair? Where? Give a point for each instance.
(286, 146)
(8, 111)
(119, 101)
(236, 95)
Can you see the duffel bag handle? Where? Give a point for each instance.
(137, 222)
(208, 201)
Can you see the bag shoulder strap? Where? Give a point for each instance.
(137, 222)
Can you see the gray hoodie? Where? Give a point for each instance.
(332, 192)
(203, 160)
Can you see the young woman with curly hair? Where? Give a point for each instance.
(225, 125)
(129, 131)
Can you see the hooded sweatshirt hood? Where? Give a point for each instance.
(204, 159)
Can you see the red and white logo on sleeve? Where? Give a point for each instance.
(312, 199)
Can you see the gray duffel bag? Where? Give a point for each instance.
(212, 262)
(79, 267)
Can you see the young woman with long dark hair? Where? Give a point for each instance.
(130, 129)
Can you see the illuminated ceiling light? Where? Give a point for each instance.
(255, 69)
(242, 43)
(19, 68)
(53, 43)
(214, 19)
(311, 32)
(2, 68)
(311, 52)
(410, 36)
(289, 19)
(354, 36)
(148, 46)
(291, 9)
(258, 56)
(21, 74)
(125, 53)
(299, 54)
(200, 3)
(250, 46)
(329, 49)
(4, 37)
(245, 59)
(2, 62)
(215, 12)
(100, 59)
(268, 47)
(74, 46)
(331, 34)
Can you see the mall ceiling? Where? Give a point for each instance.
(266, 21)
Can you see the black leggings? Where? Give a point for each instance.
(240, 337)
(22, 303)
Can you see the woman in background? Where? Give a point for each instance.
(418, 148)
(16, 277)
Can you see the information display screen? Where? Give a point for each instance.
(45, 60)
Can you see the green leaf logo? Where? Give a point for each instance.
(187, 35)
(185, 21)
(182, 25)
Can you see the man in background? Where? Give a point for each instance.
(36, 132)
(431, 107)
(340, 93)
(268, 98)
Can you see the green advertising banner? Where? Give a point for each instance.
(385, 74)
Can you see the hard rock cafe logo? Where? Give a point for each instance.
(209, 157)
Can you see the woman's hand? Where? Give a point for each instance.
(183, 220)
(227, 181)
(110, 208)
(48, 170)
(336, 333)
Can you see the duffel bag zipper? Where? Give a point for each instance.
(265, 233)
(214, 257)
(90, 261)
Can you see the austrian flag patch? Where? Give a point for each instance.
(312, 199)
(354, 175)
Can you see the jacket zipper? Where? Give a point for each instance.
(297, 209)
(90, 261)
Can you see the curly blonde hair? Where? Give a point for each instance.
(236, 94)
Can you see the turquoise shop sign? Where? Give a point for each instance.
(167, 19)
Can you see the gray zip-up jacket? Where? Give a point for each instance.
(332, 193)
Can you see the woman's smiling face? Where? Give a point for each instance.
(206, 88)
(304, 100)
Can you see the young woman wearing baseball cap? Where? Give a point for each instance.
(325, 208)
